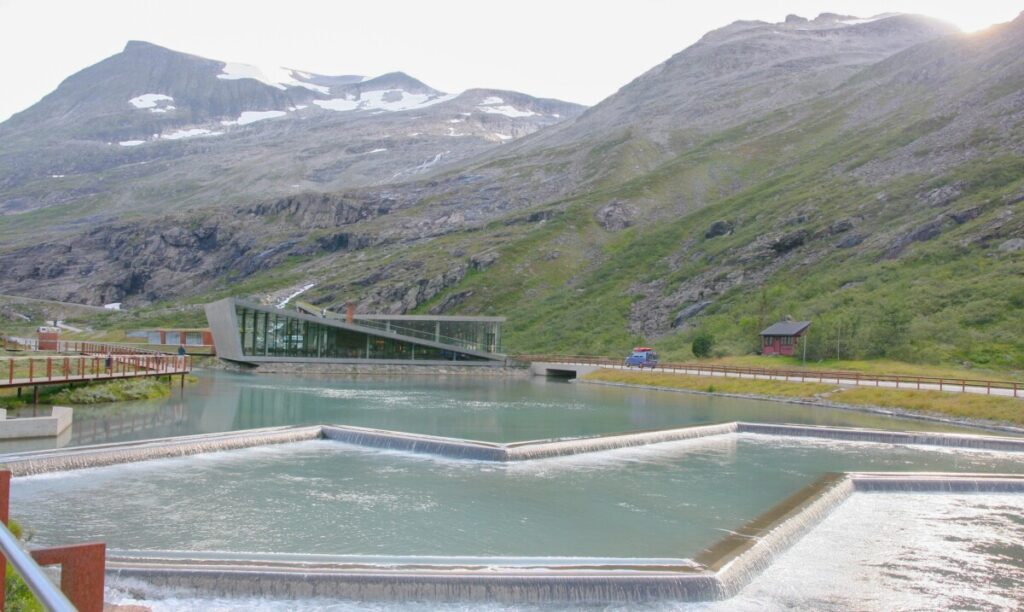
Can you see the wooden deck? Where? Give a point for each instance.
(58, 369)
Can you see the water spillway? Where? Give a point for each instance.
(39, 462)
(600, 507)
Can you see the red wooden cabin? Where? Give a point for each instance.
(782, 338)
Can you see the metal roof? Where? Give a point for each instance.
(787, 328)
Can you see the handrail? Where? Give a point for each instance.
(804, 375)
(42, 587)
(72, 368)
(88, 346)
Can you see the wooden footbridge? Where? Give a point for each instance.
(94, 361)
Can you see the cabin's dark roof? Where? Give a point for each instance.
(787, 328)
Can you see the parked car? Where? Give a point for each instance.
(642, 357)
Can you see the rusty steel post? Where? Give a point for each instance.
(81, 575)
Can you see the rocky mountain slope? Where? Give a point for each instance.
(863, 173)
(151, 129)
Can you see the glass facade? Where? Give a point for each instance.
(474, 335)
(279, 334)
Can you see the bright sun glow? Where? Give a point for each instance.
(973, 17)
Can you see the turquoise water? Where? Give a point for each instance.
(477, 408)
(323, 497)
(876, 552)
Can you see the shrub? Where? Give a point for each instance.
(702, 345)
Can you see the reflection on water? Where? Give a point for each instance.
(498, 410)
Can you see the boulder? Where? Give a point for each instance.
(839, 227)
(1012, 245)
(719, 228)
(850, 240)
(484, 260)
(790, 241)
(617, 215)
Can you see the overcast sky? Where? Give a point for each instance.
(569, 49)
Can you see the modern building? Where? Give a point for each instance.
(174, 337)
(782, 338)
(252, 333)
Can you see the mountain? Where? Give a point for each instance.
(151, 129)
(862, 173)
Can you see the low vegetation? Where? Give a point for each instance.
(958, 405)
(18, 596)
(114, 391)
(94, 393)
(712, 384)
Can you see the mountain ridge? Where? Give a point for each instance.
(829, 177)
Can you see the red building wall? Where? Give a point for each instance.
(776, 345)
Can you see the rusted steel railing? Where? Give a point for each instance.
(72, 368)
(82, 566)
(115, 348)
(899, 381)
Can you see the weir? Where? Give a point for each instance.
(719, 572)
(38, 462)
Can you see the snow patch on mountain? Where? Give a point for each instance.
(150, 100)
(338, 104)
(131, 143)
(275, 76)
(508, 111)
(392, 100)
(248, 117)
(490, 104)
(190, 133)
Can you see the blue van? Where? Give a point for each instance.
(642, 357)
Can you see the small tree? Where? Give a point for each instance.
(702, 345)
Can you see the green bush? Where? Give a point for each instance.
(702, 345)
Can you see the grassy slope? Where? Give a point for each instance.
(960, 405)
(961, 302)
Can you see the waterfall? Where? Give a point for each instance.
(39, 462)
(767, 541)
(526, 451)
(856, 434)
(930, 482)
(415, 443)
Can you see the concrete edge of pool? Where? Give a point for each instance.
(719, 572)
(39, 462)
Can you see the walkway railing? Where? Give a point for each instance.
(72, 368)
(114, 348)
(899, 381)
(82, 567)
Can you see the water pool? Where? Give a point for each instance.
(322, 497)
(498, 410)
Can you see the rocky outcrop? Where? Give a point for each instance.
(616, 215)
(719, 228)
(788, 242)
(406, 295)
(450, 302)
(689, 312)
(320, 210)
(482, 261)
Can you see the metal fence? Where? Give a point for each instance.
(899, 381)
(71, 368)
